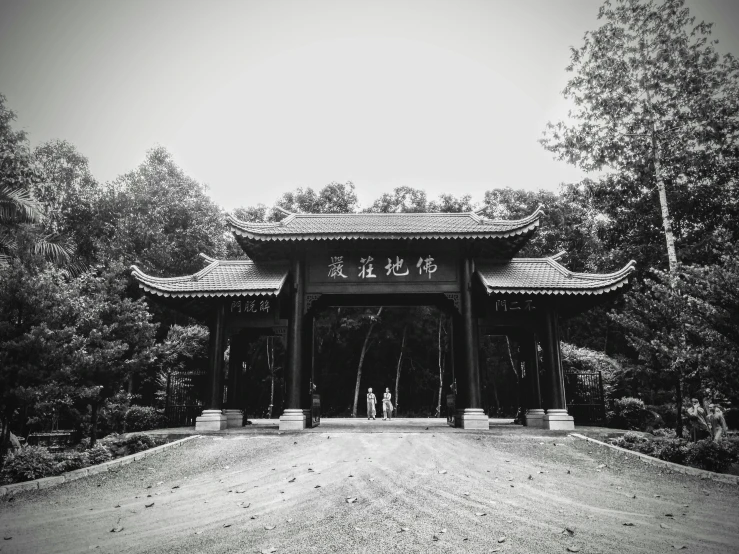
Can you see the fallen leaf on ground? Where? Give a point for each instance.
(117, 506)
(480, 514)
(198, 532)
(269, 527)
(116, 529)
(669, 515)
(573, 549)
(240, 491)
(402, 529)
(226, 525)
(269, 551)
(531, 477)
(290, 520)
(442, 531)
(351, 500)
(568, 531)
(679, 546)
(663, 526)
(176, 487)
(628, 524)
(442, 471)
(501, 539)
(160, 482)
(435, 538)
(317, 487)
(292, 480)
(149, 505)
(253, 517)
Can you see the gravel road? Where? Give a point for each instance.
(417, 491)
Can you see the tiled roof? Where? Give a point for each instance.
(547, 277)
(219, 278)
(384, 226)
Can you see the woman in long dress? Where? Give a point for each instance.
(387, 406)
(371, 401)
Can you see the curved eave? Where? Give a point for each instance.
(519, 227)
(607, 282)
(157, 286)
(557, 292)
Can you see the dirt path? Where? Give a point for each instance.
(231, 491)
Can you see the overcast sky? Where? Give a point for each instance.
(255, 98)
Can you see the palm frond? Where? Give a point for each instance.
(18, 205)
(52, 247)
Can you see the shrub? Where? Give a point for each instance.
(142, 418)
(713, 456)
(665, 433)
(98, 454)
(136, 442)
(71, 461)
(675, 451)
(32, 462)
(630, 413)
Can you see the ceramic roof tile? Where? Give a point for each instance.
(546, 276)
(383, 225)
(220, 278)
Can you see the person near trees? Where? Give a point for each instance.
(371, 402)
(387, 405)
(699, 427)
(717, 422)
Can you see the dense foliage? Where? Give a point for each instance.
(654, 122)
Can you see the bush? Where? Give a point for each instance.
(630, 413)
(98, 454)
(71, 461)
(121, 445)
(665, 433)
(142, 418)
(675, 451)
(32, 462)
(713, 456)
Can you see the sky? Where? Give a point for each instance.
(256, 98)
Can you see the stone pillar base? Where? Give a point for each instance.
(558, 420)
(293, 420)
(234, 418)
(473, 418)
(211, 420)
(534, 418)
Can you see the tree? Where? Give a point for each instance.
(402, 199)
(334, 198)
(19, 210)
(70, 196)
(372, 320)
(655, 110)
(161, 219)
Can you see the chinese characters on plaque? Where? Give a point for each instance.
(250, 306)
(525, 305)
(337, 269)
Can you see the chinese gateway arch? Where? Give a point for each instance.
(463, 263)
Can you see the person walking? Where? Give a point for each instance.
(699, 427)
(387, 406)
(717, 422)
(371, 403)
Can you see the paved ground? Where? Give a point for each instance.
(416, 490)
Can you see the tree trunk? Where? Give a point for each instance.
(397, 370)
(361, 361)
(679, 406)
(442, 358)
(518, 379)
(94, 423)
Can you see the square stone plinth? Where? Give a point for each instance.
(474, 418)
(234, 418)
(558, 420)
(211, 420)
(534, 418)
(293, 420)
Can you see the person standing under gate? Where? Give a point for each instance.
(387, 406)
(371, 401)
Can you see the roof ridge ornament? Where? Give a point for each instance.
(283, 210)
(558, 256)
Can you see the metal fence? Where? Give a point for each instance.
(184, 398)
(585, 400)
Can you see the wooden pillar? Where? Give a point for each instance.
(534, 412)
(233, 412)
(293, 417)
(212, 418)
(472, 416)
(556, 416)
